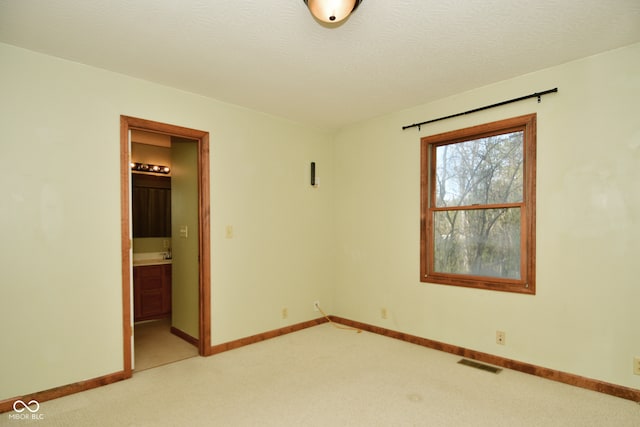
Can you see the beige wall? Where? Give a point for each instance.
(585, 316)
(184, 213)
(61, 316)
(153, 154)
(150, 244)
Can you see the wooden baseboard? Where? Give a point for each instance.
(54, 393)
(185, 336)
(265, 336)
(550, 374)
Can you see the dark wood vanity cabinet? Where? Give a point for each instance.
(151, 291)
(151, 205)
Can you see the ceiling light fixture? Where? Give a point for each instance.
(331, 11)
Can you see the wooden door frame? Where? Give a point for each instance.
(204, 310)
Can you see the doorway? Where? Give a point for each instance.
(201, 255)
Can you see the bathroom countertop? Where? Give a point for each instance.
(150, 258)
(138, 263)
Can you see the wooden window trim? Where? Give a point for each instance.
(527, 283)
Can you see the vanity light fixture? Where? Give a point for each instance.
(145, 167)
(331, 11)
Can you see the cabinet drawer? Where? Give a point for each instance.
(151, 304)
(149, 277)
(151, 291)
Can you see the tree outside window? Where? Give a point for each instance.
(478, 206)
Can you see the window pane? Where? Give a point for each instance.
(481, 171)
(479, 242)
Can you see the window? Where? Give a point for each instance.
(478, 206)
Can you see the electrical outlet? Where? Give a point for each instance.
(501, 337)
(316, 306)
(285, 313)
(636, 365)
(383, 313)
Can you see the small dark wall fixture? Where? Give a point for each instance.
(313, 174)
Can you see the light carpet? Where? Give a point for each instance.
(323, 376)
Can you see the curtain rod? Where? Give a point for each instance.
(533, 95)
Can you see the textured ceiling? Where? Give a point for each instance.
(272, 56)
